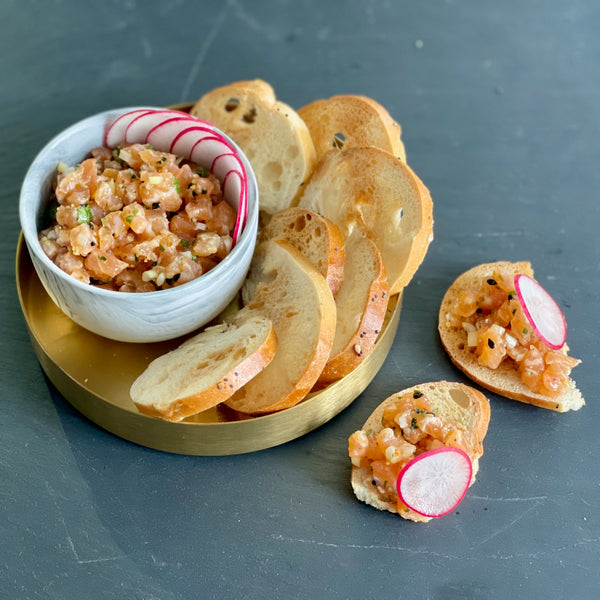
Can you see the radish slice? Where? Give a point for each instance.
(115, 133)
(224, 163)
(165, 134)
(137, 131)
(434, 482)
(542, 312)
(233, 187)
(193, 139)
(184, 140)
(207, 149)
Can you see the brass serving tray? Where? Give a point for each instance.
(94, 374)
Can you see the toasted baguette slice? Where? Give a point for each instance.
(274, 138)
(318, 238)
(505, 380)
(206, 369)
(349, 120)
(464, 404)
(361, 305)
(371, 190)
(290, 291)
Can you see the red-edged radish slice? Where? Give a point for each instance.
(207, 149)
(229, 169)
(234, 186)
(115, 132)
(223, 163)
(193, 139)
(163, 135)
(184, 141)
(231, 173)
(139, 127)
(434, 482)
(541, 311)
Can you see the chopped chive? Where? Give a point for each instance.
(84, 214)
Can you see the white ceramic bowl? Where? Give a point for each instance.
(129, 317)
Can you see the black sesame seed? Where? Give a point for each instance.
(479, 310)
(491, 281)
(491, 343)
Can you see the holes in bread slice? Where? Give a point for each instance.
(271, 174)
(460, 397)
(231, 104)
(291, 152)
(250, 115)
(299, 224)
(397, 217)
(338, 140)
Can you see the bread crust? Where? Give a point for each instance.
(505, 380)
(372, 308)
(475, 413)
(371, 190)
(352, 120)
(318, 238)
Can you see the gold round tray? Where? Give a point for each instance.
(94, 374)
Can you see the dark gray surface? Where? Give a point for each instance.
(499, 103)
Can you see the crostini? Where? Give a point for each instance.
(489, 326)
(408, 427)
